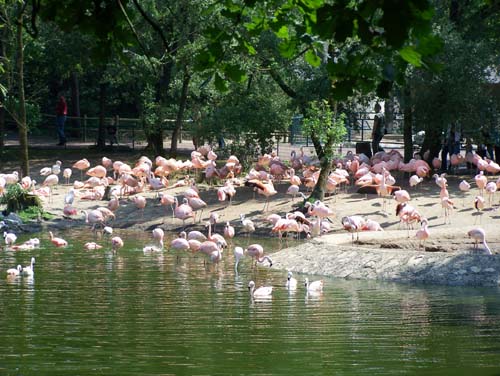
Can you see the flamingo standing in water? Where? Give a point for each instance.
(479, 236)
(116, 243)
(291, 283)
(238, 255)
(29, 270)
(9, 238)
(257, 252)
(229, 231)
(181, 243)
(158, 235)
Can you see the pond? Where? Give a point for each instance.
(131, 313)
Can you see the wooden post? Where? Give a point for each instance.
(117, 124)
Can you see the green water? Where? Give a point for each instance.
(130, 313)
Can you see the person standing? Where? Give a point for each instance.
(378, 129)
(61, 113)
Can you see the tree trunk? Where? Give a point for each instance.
(325, 163)
(21, 115)
(2, 125)
(75, 103)
(408, 128)
(101, 133)
(180, 113)
(389, 114)
(3, 54)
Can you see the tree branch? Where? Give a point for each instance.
(153, 24)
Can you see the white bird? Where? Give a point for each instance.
(415, 180)
(67, 174)
(30, 269)
(69, 197)
(248, 225)
(14, 272)
(315, 286)
(261, 292)
(479, 235)
(10, 238)
(291, 283)
(238, 254)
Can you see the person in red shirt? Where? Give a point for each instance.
(61, 112)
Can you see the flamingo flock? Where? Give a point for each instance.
(127, 188)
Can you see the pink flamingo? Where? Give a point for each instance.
(116, 243)
(448, 207)
(140, 203)
(490, 189)
(91, 246)
(229, 231)
(166, 199)
(293, 190)
(353, 224)
(265, 189)
(464, 187)
(415, 180)
(9, 238)
(479, 235)
(423, 234)
(94, 217)
(256, 251)
(97, 171)
(197, 204)
(58, 242)
(50, 181)
(401, 196)
(481, 182)
(180, 243)
(479, 205)
(81, 165)
(183, 211)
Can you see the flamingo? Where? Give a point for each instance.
(50, 181)
(91, 246)
(479, 235)
(261, 292)
(423, 234)
(464, 186)
(58, 242)
(248, 225)
(197, 204)
(116, 243)
(81, 165)
(479, 205)
(166, 199)
(180, 243)
(228, 231)
(415, 180)
(94, 217)
(490, 189)
(291, 283)
(315, 286)
(353, 224)
(238, 254)
(14, 272)
(9, 238)
(140, 203)
(196, 235)
(158, 235)
(481, 181)
(448, 207)
(29, 270)
(265, 189)
(256, 251)
(183, 211)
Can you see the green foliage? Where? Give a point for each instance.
(357, 40)
(323, 123)
(18, 199)
(33, 116)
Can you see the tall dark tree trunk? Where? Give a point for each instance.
(101, 133)
(75, 103)
(21, 115)
(389, 114)
(180, 113)
(3, 54)
(408, 127)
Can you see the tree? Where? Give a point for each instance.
(363, 46)
(326, 128)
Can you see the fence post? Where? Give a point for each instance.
(117, 124)
(362, 128)
(133, 138)
(85, 128)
